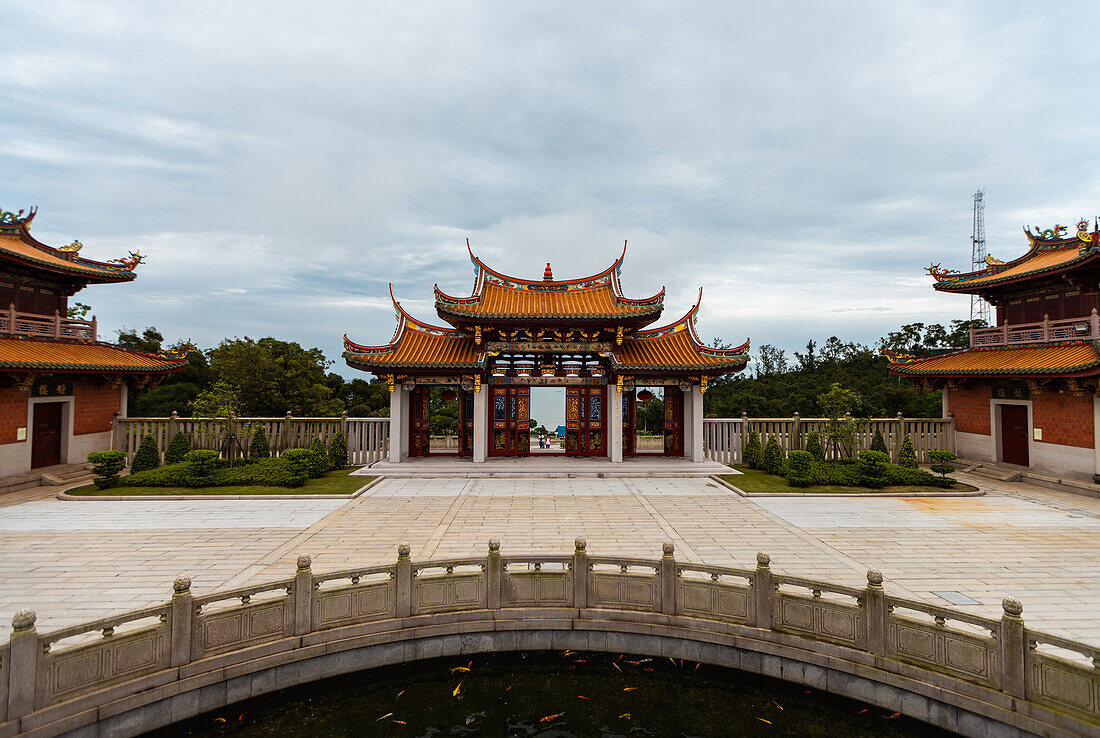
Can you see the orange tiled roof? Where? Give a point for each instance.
(18, 244)
(1072, 357)
(65, 356)
(415, 345)
(676, 346)
(500, 301)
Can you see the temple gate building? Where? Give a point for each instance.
(60, 387)
(513, 334)
(1024, 393)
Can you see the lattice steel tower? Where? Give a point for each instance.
(979, 308)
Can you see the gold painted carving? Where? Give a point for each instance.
(477, 335)
(703, 384)
(619, 336)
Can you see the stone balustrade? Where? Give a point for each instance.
(132, 672)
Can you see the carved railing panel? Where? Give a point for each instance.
(221, 629)
(626, 589)
(707, 591)
(537, 582)
(1059, 683)
(973, 656)
(451, 591)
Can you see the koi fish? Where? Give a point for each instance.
(617, 667)
(399, 694)
(582, 697)
(627, 689)
(769, 722)
(388, 714)
(624, 716)
(580, 661)
(240, 717)
(634, 663)
(548, 718)
(697, 665)
(620, 657)
(455, 693)
(400, 722)
(567, 652)
(460, 668)
(644, 661)
(508, 688)
(862, 711)
(891, 717)
(219, 720)
(777, 704)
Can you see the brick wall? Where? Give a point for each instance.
(13, 413)
(1065, 418)
(970, 407)
(95, 405)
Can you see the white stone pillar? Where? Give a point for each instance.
(481, 424)
(400, 407)
(615, 424)
(693, 424)
(1096, 433)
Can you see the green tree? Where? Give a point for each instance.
(907, 456)
(840, 428)
(222, 400)
(275, 377)
(813, 446)
(338, 451)
(178, 447)
(878, 443)
(754, 452)
(78, 311)
(259, 447)
(773, 456)
(147, 456)
(177, 391)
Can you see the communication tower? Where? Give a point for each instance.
(979, 308)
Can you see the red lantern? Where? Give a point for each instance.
(447, 395)
(645, 395)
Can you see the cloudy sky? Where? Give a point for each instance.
(279, 163)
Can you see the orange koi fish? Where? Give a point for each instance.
(548, 718)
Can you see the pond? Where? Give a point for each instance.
(552, 695)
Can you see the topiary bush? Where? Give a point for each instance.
(322, 464)
(878, 443)
(202, 463)
(871, 468)
(338, 451)
(800, 469)
(940, 466)
(263, 472)
(179, 447)
(754, 452)
(899, 477)
(259, 448)
(169, 475)
(147, 456)
(299, 460)
(773, 457)
(813, 446)
(907, 457)
(108, 464)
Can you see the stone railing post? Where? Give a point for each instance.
(23, 670)
(668, 579)
(117, 436)
(303, 595)
(1094, 324)
(744, 435)
(796, 435)
(949, 432)
(1013, 640)
(763, 592)
(404, 581)
(494, 571)
(580, 573)
(874, 604)
(180, 613)
(56, 324)
(285, 441)
(173, 425)
(899, 436)
(95, 328)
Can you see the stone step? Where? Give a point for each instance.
(998, 473)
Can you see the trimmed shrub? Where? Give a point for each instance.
(800, 469)
(899, 477)
(907, 457)
(263, 472)
(773, 457)
(836, 474)
(179, 447)
(321, 465)
(108, 464)
(871, 468)
(299, 460)
(813, 446)
(754, 452)
(202, 462)
(147, 456)
(338, 451)
(879, 444)
(169, 475)
(259, 448)
(940, 466)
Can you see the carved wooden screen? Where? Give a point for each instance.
(509, 430)
(674, 421)
(586, 421)
(420, 430)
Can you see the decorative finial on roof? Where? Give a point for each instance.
(9, 218)
(547, 274)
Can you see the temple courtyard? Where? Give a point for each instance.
(75, 561)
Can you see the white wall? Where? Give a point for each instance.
(974, 446)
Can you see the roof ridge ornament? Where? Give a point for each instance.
(548, 273)
(7, 217)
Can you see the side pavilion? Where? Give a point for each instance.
(513, 334)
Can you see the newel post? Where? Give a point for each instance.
(56, 324)
(899, 437)
(763, 592)
(1013, 640)
(180, 613)
(303, 595)
(668, 579)
(286, 443)
(494, 570)
(1094, 324)
(744, 435)
(796, 434)
(580, 573)
(173, 425)
(23, 672)
(404, 581)
(875, 609)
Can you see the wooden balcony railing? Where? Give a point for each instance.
(13, 323)
(1045, 330)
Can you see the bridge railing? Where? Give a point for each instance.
(724, 439)
(367, 438)
(155, 645)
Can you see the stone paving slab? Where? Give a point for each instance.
(77, 561)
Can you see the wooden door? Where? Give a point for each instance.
(674, 421)
(465, 423)
(46, 435)
(510, 432)
(629, 405)
(420, 422)
(586, 421)
(1014, 438)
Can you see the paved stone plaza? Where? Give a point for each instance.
(74, 561)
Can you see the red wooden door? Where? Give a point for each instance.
(674, 421)
(586, 421)
(628, 423)
(420, 424)
(465, 423)
(510, 433)
(46, 435)
(1014, 440)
